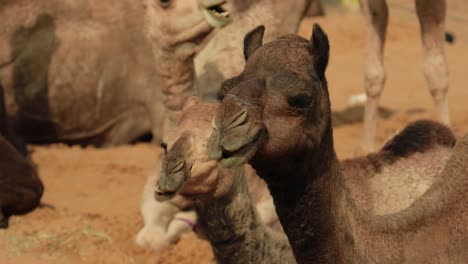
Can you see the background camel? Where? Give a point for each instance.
(20, 187)
(431, 16)
(77, 71)
(83, 71)
(218, 56)
(291, 128)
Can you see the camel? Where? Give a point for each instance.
(194, 57)
(20, 187)
(276, 117)
(111, 90)
(431, 16)
(372, 179)
(78, 72)
(167, 219)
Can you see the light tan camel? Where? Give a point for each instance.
(431, 15)
(166, 220)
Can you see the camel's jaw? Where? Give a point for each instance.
(215, 13)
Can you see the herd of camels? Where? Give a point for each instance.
(242, 110)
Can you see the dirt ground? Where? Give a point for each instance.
(91, 212)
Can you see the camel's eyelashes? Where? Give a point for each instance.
(164, 146)
(165, 3)
(299, 101)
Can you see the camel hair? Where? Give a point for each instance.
(276, 117)
(431, 16)
(366, 176)
(20, 187)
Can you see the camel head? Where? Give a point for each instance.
(185, 166)
(278, 105)
(172, 23)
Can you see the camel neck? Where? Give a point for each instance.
(235, 230)
(177, 75)
(308, 191)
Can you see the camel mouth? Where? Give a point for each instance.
(216, 14)
(241, 156)
(162, 195)
(169, 185)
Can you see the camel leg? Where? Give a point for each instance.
(431, 15)
(376, 17)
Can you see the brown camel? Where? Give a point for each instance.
(20, 187)
(431, 15)
(276, 116)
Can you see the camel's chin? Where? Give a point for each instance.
(163, 197)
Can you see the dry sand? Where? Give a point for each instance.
(92, 195)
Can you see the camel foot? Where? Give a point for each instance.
(153, 239)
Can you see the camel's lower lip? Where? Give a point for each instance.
(241, 156)
(216, 15)
(162, 196)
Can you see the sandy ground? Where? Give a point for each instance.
(92, 195)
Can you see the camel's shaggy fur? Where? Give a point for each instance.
(276, 116)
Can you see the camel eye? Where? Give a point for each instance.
(165, 3)
(299, 101)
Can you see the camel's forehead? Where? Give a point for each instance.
(282, 54)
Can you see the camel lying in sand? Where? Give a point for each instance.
(165, 221)
(277, 118)
(373, 179)
(20, 187)
(84, 72)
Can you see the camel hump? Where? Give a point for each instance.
(419, 136)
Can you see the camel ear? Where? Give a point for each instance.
(320, 49)
(253, 40)
(191, 101)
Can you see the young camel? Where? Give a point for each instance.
(165, 221)
(276, 116)
(431, 15)
(20, 187)
(381, 182)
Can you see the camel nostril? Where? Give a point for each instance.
(226, 154)
(239, 119)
